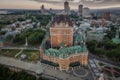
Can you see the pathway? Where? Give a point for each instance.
(19, 53)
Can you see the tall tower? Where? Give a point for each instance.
(86, 11)
(42, 9)
(61, 31)
(66, 7)
(80, 10)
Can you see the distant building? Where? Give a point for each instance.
(86, 12)
(3, 12)
(113, 17)
(66, 7)
(42, 9)
(51, 10)
(92, 33)
(63, 47)
(80, 10)
(100, 22)
(107, 16)
(95, 35)
(84, 26)
(94, 16)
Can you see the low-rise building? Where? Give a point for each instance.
(116, 39)
(2, 42)
(100, 22)
(95, 35)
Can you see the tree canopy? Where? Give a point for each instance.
(7, 74)
(33, 37)
(107, 48)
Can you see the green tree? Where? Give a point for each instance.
(108, 45)
(34, 37)
(9, 38)
(91, 45)
(99, 51)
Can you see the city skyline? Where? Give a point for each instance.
(57, 4)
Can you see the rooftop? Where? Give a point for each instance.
(62, 20)
(65, 52)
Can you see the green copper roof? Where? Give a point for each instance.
(78, 37)
(116, 40)
(65, 52)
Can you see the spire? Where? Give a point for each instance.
(26, 44)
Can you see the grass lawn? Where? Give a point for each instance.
(32, 55)
(8, 52)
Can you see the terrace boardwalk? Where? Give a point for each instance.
(20, 64)
(32, 67)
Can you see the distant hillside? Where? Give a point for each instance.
(115, 10)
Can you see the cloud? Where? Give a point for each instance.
(89, 3)
(52, 1)
(59, 1)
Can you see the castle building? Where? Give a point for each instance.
(63, 46)
(60, 34)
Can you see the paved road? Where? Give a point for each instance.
(34, 67)
(27, 48)
(104, 60)
(94, 69)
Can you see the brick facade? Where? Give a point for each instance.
(64, 64)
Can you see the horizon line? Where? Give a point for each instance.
(53, 9)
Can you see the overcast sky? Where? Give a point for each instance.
(57, 4)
